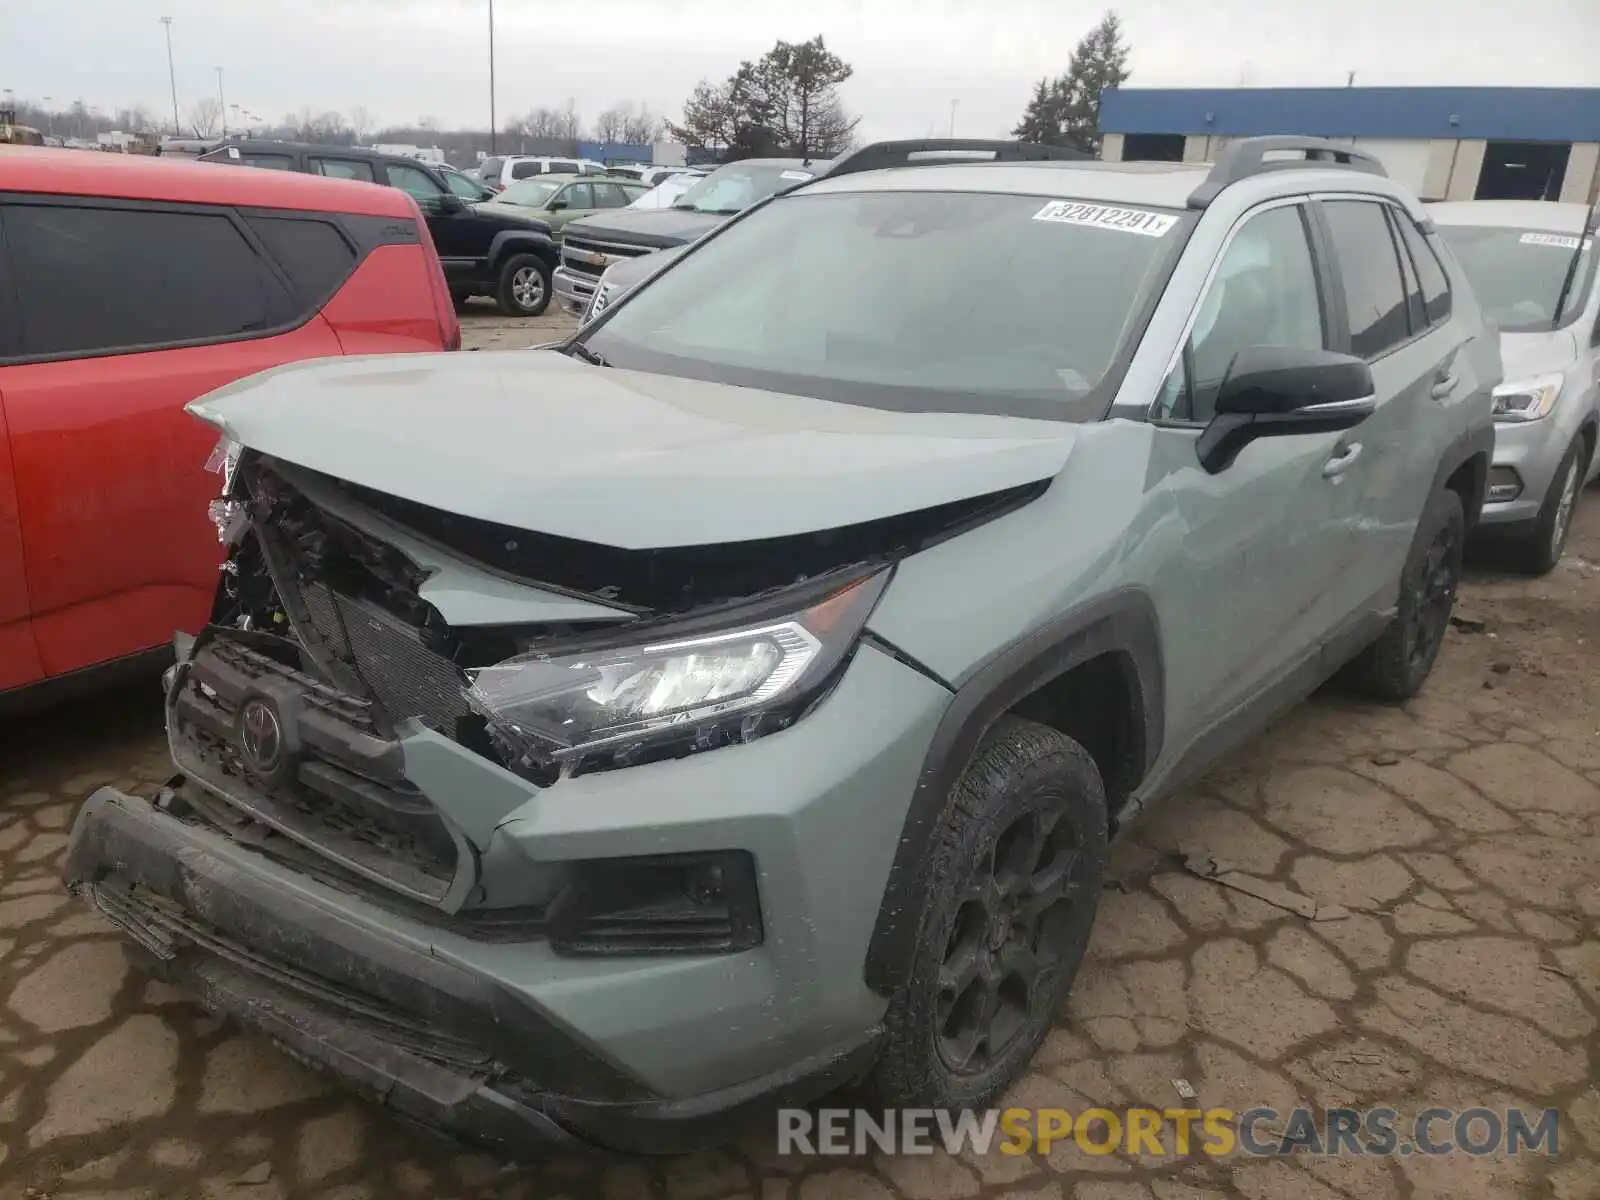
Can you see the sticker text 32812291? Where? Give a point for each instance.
(1103, 216)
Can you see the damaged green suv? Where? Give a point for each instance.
(735, 701)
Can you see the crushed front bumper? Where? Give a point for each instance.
(440, 1044)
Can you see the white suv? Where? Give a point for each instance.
(500, 172)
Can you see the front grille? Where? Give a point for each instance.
(340, 797)
(589, 255)
(407, 679)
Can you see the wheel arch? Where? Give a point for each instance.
(1464, 469)
(1118, 638)
(521, 241)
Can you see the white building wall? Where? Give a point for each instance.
(1406, 159)
(1583, 173)
(1468, 167)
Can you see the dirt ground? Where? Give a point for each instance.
(1455, 842)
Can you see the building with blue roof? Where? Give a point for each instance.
(1456, 143)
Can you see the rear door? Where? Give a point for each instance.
(19, 657)
(617, 193)
(1411, 346)
(129, 311)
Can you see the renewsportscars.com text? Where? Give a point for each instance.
(1261, 1132)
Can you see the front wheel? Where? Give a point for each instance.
(1011, 894)
(1395, 667)
(524, 287)
(1538, 552)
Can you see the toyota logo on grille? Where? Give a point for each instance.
(260, 736)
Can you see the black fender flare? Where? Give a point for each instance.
(1123, 622)
(1469, 445)
(522, 241)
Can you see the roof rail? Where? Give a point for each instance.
(875, 156)
(1248, 156)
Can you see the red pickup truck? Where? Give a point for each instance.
(129, 286)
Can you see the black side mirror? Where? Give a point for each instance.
(556, 205)
(1273, 391)
(448, 204)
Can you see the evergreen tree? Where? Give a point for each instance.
(1065, 111)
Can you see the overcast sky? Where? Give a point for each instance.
(403, 59)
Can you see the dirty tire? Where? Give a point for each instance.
(524, 286)
(1395, 667)
(1539, 550)
(1015, 866)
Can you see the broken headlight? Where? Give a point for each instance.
(705, 689)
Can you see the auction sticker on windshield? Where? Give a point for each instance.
(1102, 216)
(1559, 240)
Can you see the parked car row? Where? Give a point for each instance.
(502, 251)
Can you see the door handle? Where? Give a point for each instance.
(1444, 384)
(1343, 459)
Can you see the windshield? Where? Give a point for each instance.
(919, 301)
(531, 193)
(1517, 274)
(735, 187)
(664, 194)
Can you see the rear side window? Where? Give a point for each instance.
(273, 162)
(312, 253)
(526, 170)
(104, 279)
(565, 168)
(344, 168)
(1370, 268)
(1430, 273)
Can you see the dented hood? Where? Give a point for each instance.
(540, 441)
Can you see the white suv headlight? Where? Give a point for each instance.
(690, 685)
(1526, 399)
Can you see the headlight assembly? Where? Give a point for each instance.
(1526, 399)
(678, 693)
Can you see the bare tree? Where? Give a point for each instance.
(571, 125)
(361, 122)
(204, 114)
(608, 126)
(539, 123)
(309, 125)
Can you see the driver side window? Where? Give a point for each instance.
(1264, 293)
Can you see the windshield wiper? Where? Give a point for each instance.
(581, 352)
(1572, 266)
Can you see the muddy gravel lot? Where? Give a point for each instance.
(1435, 941)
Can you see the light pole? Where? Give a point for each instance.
(223, 101)
(491, 77)
(953, 104)
(50, 115)
(172, 77)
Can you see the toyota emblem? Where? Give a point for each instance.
(260, 737)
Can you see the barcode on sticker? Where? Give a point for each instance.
(1102, 216)
(1550, 239)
